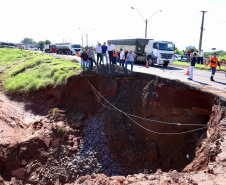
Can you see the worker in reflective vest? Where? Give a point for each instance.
(213, 64)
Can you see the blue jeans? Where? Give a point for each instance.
(201, 58)
(86, 62)
(131, 62)
(104, 55)
(188, 60)
(94, 61)
(110, 53)
(81, 62)
(99, 56)
(213, 69)
(121, 63)
(114, 60)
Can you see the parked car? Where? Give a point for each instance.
(177, 57)
(184, 59)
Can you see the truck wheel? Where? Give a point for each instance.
(150, 62)
(165, 65)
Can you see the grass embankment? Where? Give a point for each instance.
(25, 71)
(198, 66)
(222, 57)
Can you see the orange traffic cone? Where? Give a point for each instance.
(147, 64)
(188, 70)
(62, 53)
(67, 54)
(71, 54)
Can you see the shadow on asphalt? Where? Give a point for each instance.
(201, 83)
(169, 68)
(222, 83)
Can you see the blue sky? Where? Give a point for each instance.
(179, 21)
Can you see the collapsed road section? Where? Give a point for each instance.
(112, 122)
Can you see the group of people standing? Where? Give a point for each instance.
(213, 65)
(199, 55)
(88, 57)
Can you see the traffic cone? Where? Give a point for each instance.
(62, 53)
(188, 70)
(71, 54)
(67, 54)
(147, 64)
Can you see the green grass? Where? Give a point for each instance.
(222, 57)
(53, 112)
(61, 130)
(197, 66)
(25, 71)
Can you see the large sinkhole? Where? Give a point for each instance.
(119, 145)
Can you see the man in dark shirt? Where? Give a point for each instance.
(104, 52)
(84, 58)
(192, 66)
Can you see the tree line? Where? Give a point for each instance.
(39, 44)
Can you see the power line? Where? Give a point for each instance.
(128, 115)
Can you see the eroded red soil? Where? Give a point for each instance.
(38, 141)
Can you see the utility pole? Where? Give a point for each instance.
(87, 40)
(202, 29)
(86, 33)
(146, 21)
(82, 40)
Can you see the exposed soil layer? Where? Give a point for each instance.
(66, 132)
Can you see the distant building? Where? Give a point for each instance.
(187, 47)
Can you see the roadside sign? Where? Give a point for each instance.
(213, 48)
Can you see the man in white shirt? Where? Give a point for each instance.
(99, 53)
(201, 56)
(110, 49)
(122, 58)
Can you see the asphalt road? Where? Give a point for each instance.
(201, 77)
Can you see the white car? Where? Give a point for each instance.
(177, 57)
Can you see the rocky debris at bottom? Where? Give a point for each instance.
(2, 181)
(94, 156)
(159, 178)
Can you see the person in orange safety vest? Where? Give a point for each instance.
(213, 64)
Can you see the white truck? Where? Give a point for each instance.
(155, 52)
(68, 48)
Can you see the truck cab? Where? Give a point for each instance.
(160, 52)
(156, 52)
(76, 47)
